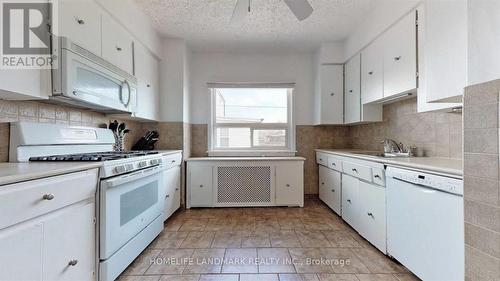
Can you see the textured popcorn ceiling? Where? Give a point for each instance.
(205, 24)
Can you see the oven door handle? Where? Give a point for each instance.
(132, 176)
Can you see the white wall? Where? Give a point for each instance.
(386, 13)
(135, 21)
(245, 67)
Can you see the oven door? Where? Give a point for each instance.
(128, 204)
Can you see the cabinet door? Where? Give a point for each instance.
(172, 184)
(332, 97)
(372, 219)
(117, 44)
(200, 186)
(372, 68)
(323, 184)
(147, 69)
(21, 252)
(80, 21)
(334, 191)
(352, 90)
(69, 244)
(289, 185)
(350, 201)
(400, 56)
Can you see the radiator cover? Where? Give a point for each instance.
(244, 185)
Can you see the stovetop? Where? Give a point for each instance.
(96, 156)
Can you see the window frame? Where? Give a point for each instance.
(289, 127)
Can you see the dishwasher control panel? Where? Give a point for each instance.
(447, 184)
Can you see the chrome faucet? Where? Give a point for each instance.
(391, 146)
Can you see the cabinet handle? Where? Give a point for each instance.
(370, 73)
(397, 58)
(355, 170)
(320, 159)
(349, 201)
(333, 190)
(177, 189)
(322, 183)
(332, 94)
(149, 86)
(48, 196)
(377, 177)
(72, 262)
(287, 185)
(119, 49)
(173, 161)
(370, 215)
(80, 21)
(168, 196)
(350, 91)
(333, 164)
(201, 185)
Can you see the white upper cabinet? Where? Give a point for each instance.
(80, 21)
(24, 84)
(147, 71)
(400, 57)
(428, 69)
(372, 72)
(330, 106)
(117, 45)
(353, 90)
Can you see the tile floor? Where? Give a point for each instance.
(265, 244)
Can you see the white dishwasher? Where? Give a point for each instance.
(425, 223)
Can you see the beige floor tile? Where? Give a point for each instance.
(139, 278)
(255, 239)
(220, 224)
(267, 224)
(259, 277)
(337, 277)
(316, 224)
(173, 224)
(406, 277)
(310, 260)
(343, 260)
(341, 239)
(227, 240)
(219, 277)
(240, 261)
(298, 277)
(180, 277)
(197, 239)
(244, 224)
(194, 225)
(205, 261)
(284, 238)
(377, 262)
(275, 260)
(376, 277)
(309, 238)
(169, 240)
(171, 261)
(290, 223)
(142, 262)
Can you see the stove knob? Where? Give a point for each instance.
(129, 167)
(119, 169)
(153, 162)
(143, 164)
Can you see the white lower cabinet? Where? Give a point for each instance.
(252, 182)
(172, 182)
(350, 203)
(289, 184)
(331, 188)
(52, 242)
(372, 216)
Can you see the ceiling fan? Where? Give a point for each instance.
(300, 8)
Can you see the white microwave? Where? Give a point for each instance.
(83, 79)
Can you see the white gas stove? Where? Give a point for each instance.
(130, 205)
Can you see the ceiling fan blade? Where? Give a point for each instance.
(241, 9)
(300, 8)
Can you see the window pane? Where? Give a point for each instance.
(269, 138)
(233, 137)
(251, 105)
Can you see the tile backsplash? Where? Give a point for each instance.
(438, 133)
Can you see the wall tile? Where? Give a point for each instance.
(482, 190)
(481, 165)
(480, 266)
(481, 117)
(199, 140)
(486, 216)
(483, 239)
(482, 94)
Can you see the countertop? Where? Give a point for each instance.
(441, 165)
(260, 158)
(19, 172)
(168, 152)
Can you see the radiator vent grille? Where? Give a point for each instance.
(243, 185)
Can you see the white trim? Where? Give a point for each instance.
(250, 85)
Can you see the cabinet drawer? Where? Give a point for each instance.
(335, 163)
(172, 160)
(358, 171)
(378, 176)
(30, 199)
(321, 158)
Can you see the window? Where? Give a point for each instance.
(251, 119)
